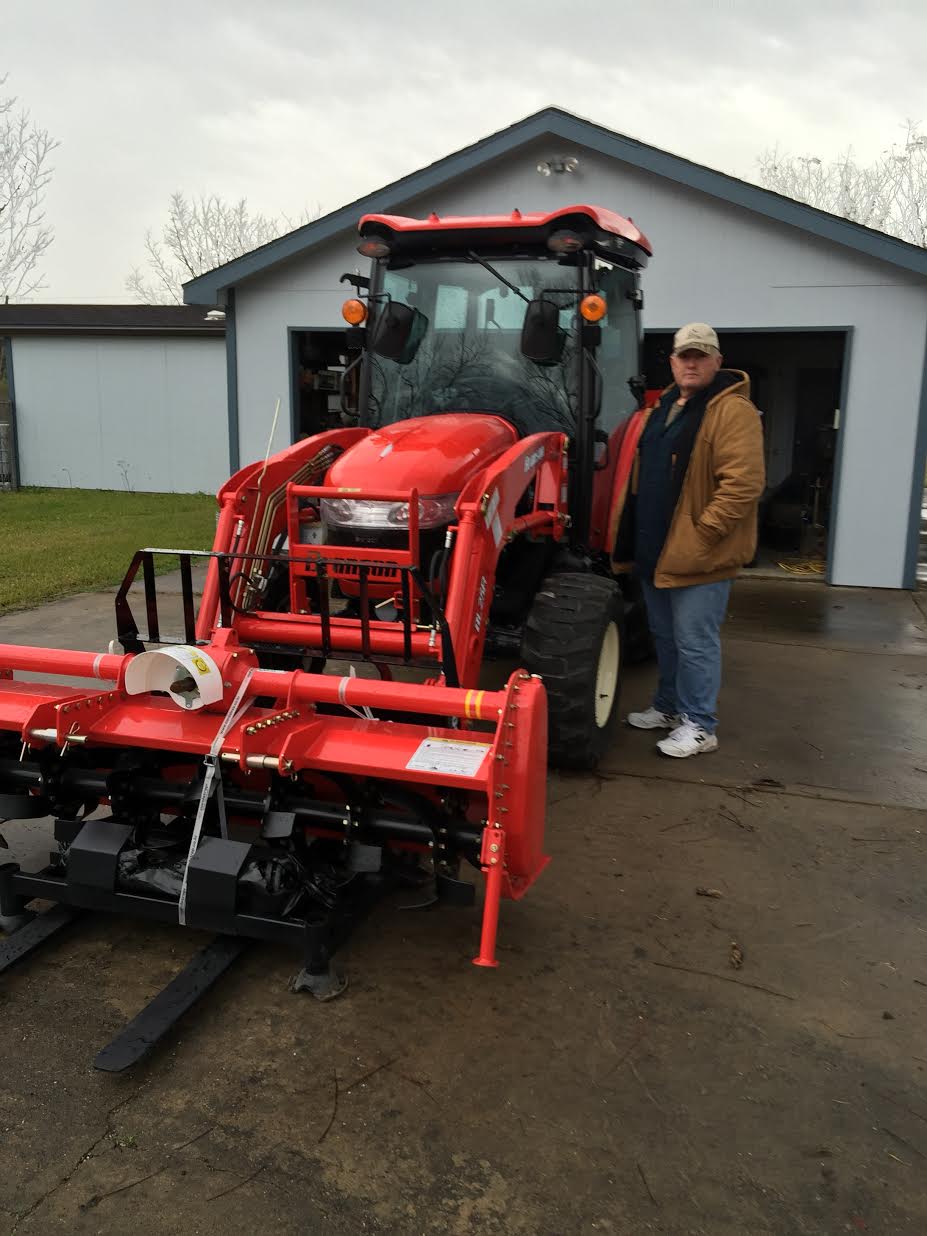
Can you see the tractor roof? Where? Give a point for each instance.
(438, 232)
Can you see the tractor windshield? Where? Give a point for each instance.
(464, 352)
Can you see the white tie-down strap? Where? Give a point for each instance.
(343, 700)
(211, 761)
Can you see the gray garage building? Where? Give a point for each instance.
(829, 318)
(114, 397)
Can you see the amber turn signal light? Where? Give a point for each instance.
(354, 312)
(593, 307)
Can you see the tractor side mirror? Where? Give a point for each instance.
(638, 388)
(542, 339)
(397, 332)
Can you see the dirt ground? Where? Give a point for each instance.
(617, 1074)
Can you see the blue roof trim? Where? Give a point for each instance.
(917, 486)
(553, 122)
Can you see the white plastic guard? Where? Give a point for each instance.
(189, 676)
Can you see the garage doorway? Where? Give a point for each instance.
(797, 381)
(317, 363)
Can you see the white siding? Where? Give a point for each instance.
(145, 414)
(306, 295)
(712, 262)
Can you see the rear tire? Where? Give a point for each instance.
(573, 639)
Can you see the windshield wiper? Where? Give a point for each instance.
(475, 257)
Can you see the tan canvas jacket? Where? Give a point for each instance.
(713, 529)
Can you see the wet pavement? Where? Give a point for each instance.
(824, 692)
(812, 614)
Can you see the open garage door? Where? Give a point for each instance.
(796, 380)
(317, 363)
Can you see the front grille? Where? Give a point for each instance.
(430, 542)
(387, 575)
(352, 571)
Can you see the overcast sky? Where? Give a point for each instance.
(308, 105)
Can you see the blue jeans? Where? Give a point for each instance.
(686, 628)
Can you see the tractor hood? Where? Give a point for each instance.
(433, 454)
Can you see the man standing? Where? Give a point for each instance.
(691, 519)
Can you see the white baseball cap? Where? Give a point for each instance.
(697, 336)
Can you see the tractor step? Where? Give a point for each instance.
(156, 1019)
(24, 941)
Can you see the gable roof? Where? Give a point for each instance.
(554, 122)
(109, 320)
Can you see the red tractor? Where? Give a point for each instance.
(255, 785)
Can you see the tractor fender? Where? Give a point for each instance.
(622, 484)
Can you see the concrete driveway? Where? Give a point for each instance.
(617, 1074)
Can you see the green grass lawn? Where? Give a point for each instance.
(58, 541)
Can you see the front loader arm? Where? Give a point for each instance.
(487, 523)
(253, 512)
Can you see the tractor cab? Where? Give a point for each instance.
(529, 319)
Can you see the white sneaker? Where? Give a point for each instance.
(652, 719)
(688, 739)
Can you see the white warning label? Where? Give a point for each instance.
(449, 755)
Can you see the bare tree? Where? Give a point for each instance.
(199, 235)
(889, 194)
(24, 177)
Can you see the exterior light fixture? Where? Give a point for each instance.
(354, 312)
(373, 247)
(593, 307)
(565, 242)
(563, 163)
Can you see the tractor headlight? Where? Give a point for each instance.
(366, 513)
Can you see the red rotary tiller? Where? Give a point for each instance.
(257, 787)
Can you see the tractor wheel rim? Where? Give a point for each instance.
(606, 678)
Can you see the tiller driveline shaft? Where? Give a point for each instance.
(192, 747)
